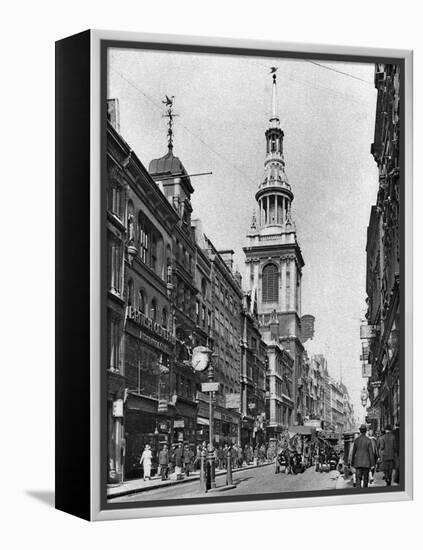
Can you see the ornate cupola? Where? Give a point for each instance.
(274, 195)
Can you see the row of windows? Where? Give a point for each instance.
(183, 256)
(225, 297)
(141, 232)
(203, 316)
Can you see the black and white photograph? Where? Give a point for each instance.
(253, 211)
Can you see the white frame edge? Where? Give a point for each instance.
(254, 505)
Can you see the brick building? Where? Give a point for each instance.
(383, 256)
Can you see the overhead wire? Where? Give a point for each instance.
(182, 125)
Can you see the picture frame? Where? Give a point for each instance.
(82, 378)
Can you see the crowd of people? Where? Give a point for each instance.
(373, 452)
(183, 458)
(370, 452)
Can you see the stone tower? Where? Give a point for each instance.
(273, 256)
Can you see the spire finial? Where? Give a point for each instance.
(170, 115)
(274, 95)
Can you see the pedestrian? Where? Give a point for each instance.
(375, 452)
(270, 455)
(240, 457)
(234, 456)
(362, 457)
(145, 461)
(187, 458)
(247, 454)
(388, 450)
(178, 457)
(164, 462)
(197, 460)
(255, 456)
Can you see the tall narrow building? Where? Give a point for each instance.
(274, 261)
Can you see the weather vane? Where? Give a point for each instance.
(273, 72)
(170, 115)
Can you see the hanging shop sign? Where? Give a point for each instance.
(373, 413)
(162, 405)
(118, 408)
(366, 371)
(178, 424)
(233, 400)
(163, 427)
(376, 384)
(368, 331)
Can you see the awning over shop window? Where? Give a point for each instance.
(202, 421)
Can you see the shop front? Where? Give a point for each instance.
(185, 422)
(145, 424)
(115, 431)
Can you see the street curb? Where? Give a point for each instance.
(177, 482)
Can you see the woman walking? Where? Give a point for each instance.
(145, 461)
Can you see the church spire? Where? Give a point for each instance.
(274, 119)
(274, 195)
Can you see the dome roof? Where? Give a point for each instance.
(168, 164)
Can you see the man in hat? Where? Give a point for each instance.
(362, 457)
(164, 462)
(388, 451)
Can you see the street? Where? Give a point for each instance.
(248, 482)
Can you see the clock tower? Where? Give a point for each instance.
(274, 261)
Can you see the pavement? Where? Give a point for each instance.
(347, 483)
(135, 486)
(246, 481)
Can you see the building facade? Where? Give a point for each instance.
(383, 257)
(174, 183)
(140, 331)
(279, 386)
(226, 300)
(253, 375)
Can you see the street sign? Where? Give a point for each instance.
(210, 386)
(376, 384)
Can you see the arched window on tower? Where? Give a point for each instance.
(270, 283)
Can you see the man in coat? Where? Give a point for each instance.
(187, 458)
(388, 452)
(164, 462)
(362, 457)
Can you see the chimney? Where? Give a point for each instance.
(228, 257)
(113, 113)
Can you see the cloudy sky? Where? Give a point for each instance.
(328, 119)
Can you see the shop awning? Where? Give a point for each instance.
(202, 421)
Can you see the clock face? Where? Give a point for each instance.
(200, 358)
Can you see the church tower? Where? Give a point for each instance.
(273, 256)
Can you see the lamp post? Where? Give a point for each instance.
(210, 455)
(202, 360)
